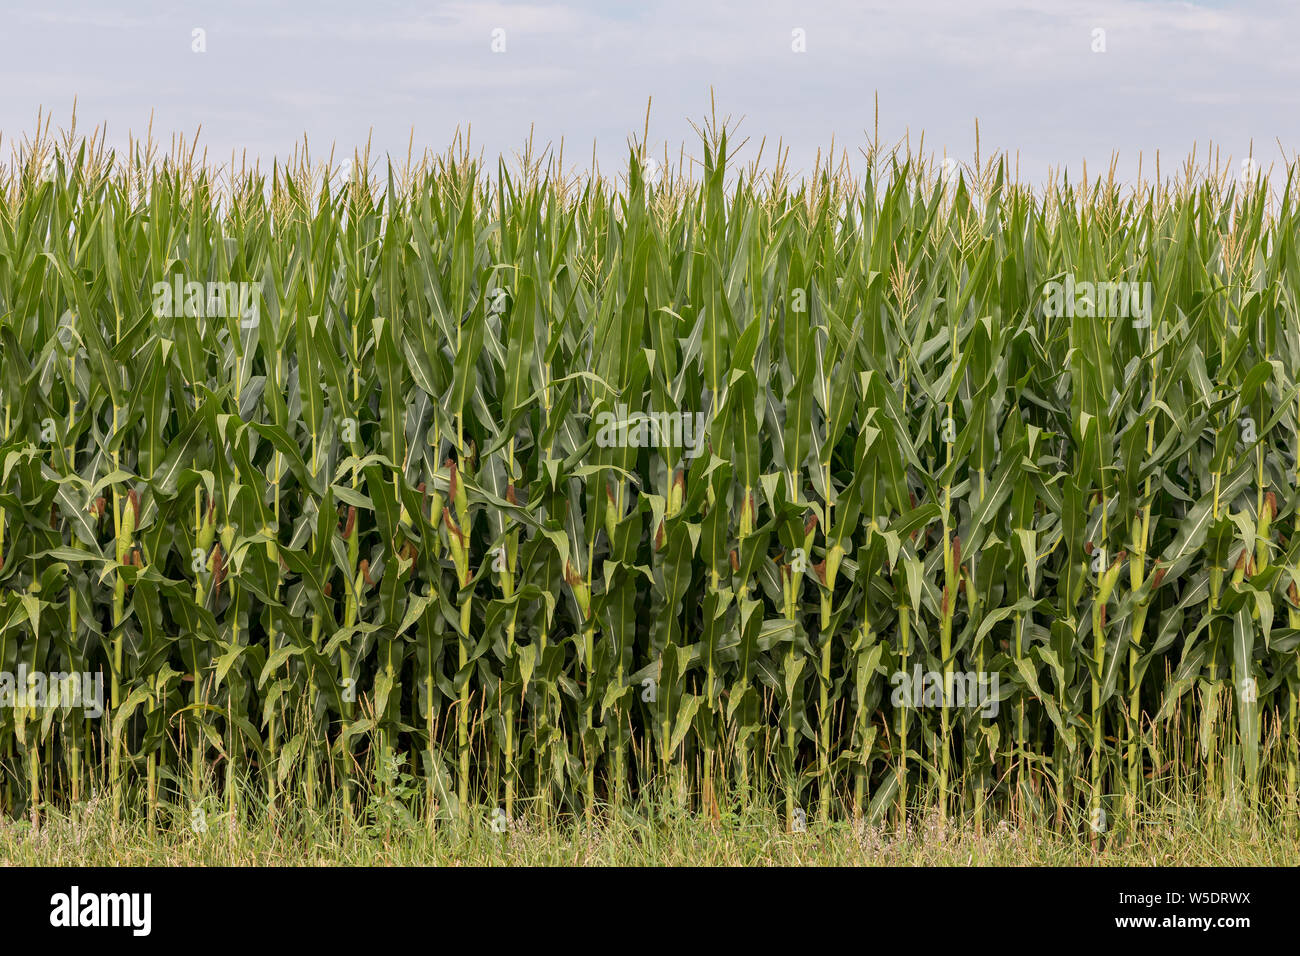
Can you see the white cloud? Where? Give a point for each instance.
(1174, 73)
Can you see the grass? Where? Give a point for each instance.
(1174, 833)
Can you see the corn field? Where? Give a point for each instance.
(508, 489)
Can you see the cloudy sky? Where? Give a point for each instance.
(1172, 74)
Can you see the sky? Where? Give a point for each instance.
(1037, 74)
